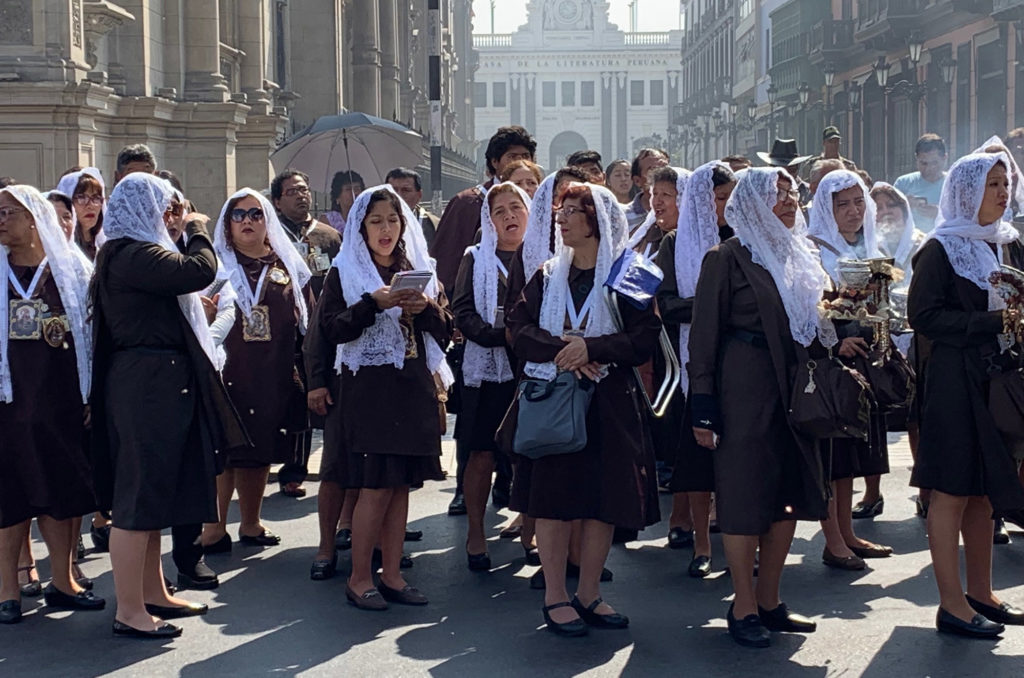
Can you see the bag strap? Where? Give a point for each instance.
(821, 243)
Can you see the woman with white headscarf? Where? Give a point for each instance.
(488, 373)
(843, 226)
(270, 279)
(962, 458)
(561, 323)
(755, 309)
(702, 225)
(666, 186)
(45, 372)
(160, 410)
(87, 191)
(384, 432)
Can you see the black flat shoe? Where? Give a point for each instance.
(700, 567)
(177, 612)
(851, 563)
(408, 595)
(978, 627)
(10, 612)
(413, 535)
(100, 538)
(999, 534)
(478, 562)
(34, 587)
(781, 620)
(458, 505)
(873, 551)
(264, 538)
(222, 545)
(532, 556)
(572, 571)
(1004, 614)
(321, 570)
(574, 628)
(201, 578)
(163, 632)
(171, 588)
(749, 631)
(600, 621)
(343, 540)
(85, 600)
(863, 510)
(678, 538)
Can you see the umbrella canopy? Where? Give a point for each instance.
(352, 141)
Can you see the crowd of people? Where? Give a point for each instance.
(155, 363)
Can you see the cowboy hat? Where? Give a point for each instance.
(783, 154)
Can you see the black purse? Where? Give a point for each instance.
(829, 400)
(891, 377)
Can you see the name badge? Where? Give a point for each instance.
(25, 319)
(256, 327)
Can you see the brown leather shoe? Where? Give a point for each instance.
(873, 551)
(852, 563)
(409, 595)
(371, 600)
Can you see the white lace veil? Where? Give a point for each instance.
(136, 211)
(696, 233)
(67, 185)
(613, 227)
(785, 253)
(823, 220)
(967, 243)
(280, 243)
(480, 363)
(537, 241)
(905, 243)
(1016, 177)
(71, 278)
(383, 343)
(637, 236)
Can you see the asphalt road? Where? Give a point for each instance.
(269, 619)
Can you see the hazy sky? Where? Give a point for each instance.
(655, 15)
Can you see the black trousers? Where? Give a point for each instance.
(297, 471)
(186, 549)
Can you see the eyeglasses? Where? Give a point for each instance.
(566, 212)
(792, 194)
(83, 200)
(7, 212)
(297, 190)
(177, 209)
(254, 213)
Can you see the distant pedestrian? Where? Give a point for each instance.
(923, 188)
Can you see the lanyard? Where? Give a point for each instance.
(576, 319)
(254, 298)
(32, 285)
(501, 267)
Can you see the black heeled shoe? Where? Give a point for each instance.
(86, 600)
(749, 631)
(10, 612)
(1004, 614)
(863, 510)
(571, 629)
(164, 632)
(100, 538)
(478, 562)
(222, 545)
(201, 578)
(597, 620)
(781, 620)
(978, 627)
(458, 505)
(177, 612)
(322, 570)
(343, 540)
(999, 533)
(700, 567)
(80, 548)
(413, 535)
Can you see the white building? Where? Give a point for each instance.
(577, 81)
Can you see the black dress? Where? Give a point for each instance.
(46, 470)
(612, 478)
(384, 427)
(484, 406)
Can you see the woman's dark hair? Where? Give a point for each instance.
(664, 173)
(586, 198)
(894, 195)
(634, 168)
(511, 168)
(721, 175)
(172, 178)
(54, 196)
(574, 173)
(232, 203)
(401, 259)
(343, 179)
(504, 139)
(616, 163)
(88, 184)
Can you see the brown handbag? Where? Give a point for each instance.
(829, 400)
(891, 377)
(1006, 402)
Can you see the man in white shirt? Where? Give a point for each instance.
(923, 188)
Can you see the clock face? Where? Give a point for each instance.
(569, 11)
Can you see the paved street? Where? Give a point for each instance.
(269, 619)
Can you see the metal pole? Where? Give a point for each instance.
(436, 132)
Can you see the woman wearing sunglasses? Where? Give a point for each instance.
(270, 279)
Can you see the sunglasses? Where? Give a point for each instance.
(254, 213)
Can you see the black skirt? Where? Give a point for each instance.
(851, 458)
(483, 409)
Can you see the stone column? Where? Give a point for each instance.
(203, 81)
(390, 84)
(251, 23)
(365, 59)
(607, 149)
(531, 103)
(621, 132)
(515, 99)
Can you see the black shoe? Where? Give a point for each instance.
(864, 510)
(1004, 614)
(678, 538)
(201, 578)
(34, 587)
(377, 560)
(532, 556)
(781, 620)
(920, 507)
(458, 505)
(413, 535)
(176, 612)
(478, 562)
(100, 538)
(537, 582)
(500, 495)
(322, 570)
(978, 627)
(749, 631)
(85, 600)
(1000, 535)
(171, 588)
(409, 595)
(343, 540)
(572, 571)
(164, 632)
(601, 621)
(80, 548)
(700, 567)
(222, 545)
(264, 538)
(10, 612)
(576, 627)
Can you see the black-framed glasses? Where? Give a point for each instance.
(297, 190)
(238, 215)
(82, 200)
(7, 212)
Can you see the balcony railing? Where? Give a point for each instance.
(492, 40)
(832, 36)
(870, 12)
(1007, 10)
(645, 39)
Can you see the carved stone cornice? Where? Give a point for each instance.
(101, 17)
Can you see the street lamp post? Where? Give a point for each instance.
(947, 67)
(830, 78)
(733, 111)
(773, 94)
(853, 95)
(716, 118)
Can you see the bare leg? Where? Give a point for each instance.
(367, 523)
(251, 484)
(214, 532)
(57, 535)
(26, 563)
(154, 590)
(774, 548)
(739, 552)
(913, 438)
(575, 537)
(11, 540)
(553, 543)
(872, 489)
(945, 515)
(476, 486)
(834, 540)
(347, 508)
(128, 550)
(595, 544)
(700, 509)
(681, 511)
(98, 520)
(844, 513)
(392, 536)
(329, 500)
(977, 532)
(529, 532)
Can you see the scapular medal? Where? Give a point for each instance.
(256, 326)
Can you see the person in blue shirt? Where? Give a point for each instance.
(924, 186)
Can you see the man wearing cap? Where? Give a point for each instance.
(784, 154)
(830, 142)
